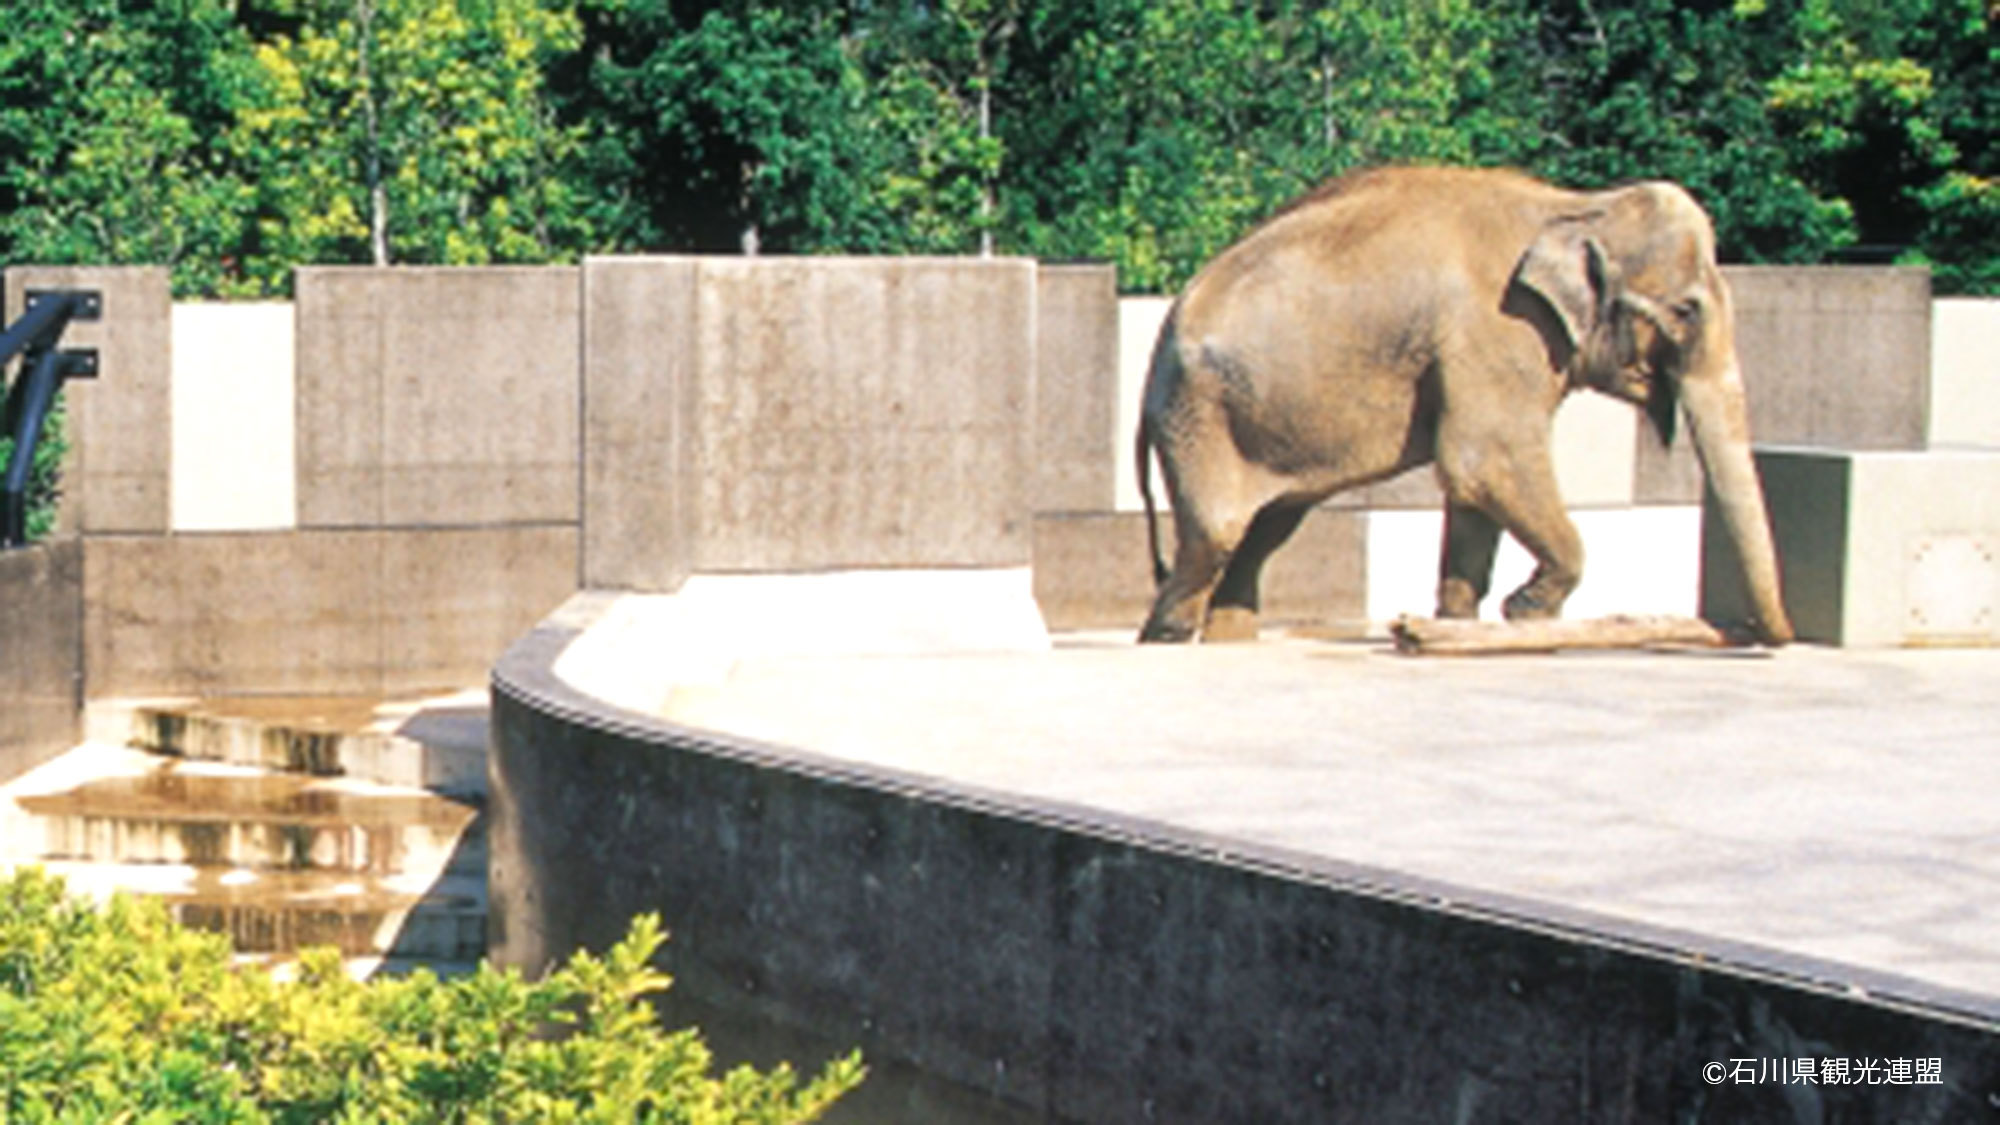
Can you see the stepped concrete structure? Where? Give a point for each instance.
(280, 823)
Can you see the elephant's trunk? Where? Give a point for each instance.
(1719, 417)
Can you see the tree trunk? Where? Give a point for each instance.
(378, 192)
(1422, 636)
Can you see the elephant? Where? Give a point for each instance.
(1405, 316)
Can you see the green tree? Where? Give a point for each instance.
(411, 131)
(109, 110)
(799, 127)
(1657, 89)
(1163, 130)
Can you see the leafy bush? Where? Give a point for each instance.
(116, 1013)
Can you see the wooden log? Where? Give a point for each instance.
(1425, 636)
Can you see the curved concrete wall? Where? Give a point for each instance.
(1013, 959)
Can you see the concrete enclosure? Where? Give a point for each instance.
(889, 425)
(397, 440)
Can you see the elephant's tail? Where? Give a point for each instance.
(1143, 450)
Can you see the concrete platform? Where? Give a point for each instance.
(1821, 805)
(1105, 882)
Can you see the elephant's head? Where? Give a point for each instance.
(1645, 316)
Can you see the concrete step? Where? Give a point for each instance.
(391, 876)
(434, 742)
(148, 809)
(274, 914)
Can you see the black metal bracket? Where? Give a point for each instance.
(77, 363)
(44, 367)
(86, 305)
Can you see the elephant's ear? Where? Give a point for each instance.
(1567, 269)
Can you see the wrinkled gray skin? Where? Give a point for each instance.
(1412, 315)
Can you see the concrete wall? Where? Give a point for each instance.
(639, 420)
(1835, 355)
(842, 413)
(360, 611)
(998, 959)
(41, 653)
(1877, 547)
(438, 397)
(421, 425)
(1078, 441)
(1965, 380)
(118, 478)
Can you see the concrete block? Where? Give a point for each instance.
(1092, 570)
(1636, 560)
(219, 614)
(1139, 320)
(438, 397)
(1077, 391)
(859, 413)
(638, 410)
(1835, 355)
(452, 600)
(119, 476)
(644, 651)
(1593, 441)
(1876, 548)
(1664, 474)
(234, 463)
(337, 612)
(41, 653)
(1965, 372)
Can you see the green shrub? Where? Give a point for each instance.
(118, 1014)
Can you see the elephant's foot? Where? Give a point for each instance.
(1230, 623)
(1530, 604)
(1458, 598)
(1165, 633)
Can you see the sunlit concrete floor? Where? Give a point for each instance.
(1832, 815)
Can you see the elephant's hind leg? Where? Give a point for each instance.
(1232, 613)
(1471, 538)
(1182, 601)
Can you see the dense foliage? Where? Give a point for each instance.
(233, 139)
(117, 1014)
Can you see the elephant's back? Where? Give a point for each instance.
(1385, 243)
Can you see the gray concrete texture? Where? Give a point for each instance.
(1076, 375)
(638, 413)
(1827, 804)
(119, 473)
(1835, 356)
(339, 612)
(1293, 881)
(1092, 570)
(1887, 547)
(41, 653)
(841, 413)
(432, 397)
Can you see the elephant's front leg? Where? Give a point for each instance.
(1535, 516)
(1513, 486)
